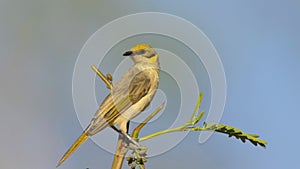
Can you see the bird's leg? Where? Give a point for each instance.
(129, 138)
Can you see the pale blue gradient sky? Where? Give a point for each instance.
(258, 42)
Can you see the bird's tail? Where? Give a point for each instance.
(75, 145)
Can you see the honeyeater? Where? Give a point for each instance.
(127, 98)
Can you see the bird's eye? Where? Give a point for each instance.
(140, 52)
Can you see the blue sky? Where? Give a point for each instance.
(258, 44)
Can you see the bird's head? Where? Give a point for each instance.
(142, 53)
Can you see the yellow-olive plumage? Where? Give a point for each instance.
(128, 97)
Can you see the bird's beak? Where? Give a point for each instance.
(127, 53)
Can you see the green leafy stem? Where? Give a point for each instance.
(190, 125)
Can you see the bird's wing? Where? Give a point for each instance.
(122, 97)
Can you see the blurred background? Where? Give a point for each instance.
(258, 43)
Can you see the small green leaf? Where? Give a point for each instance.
(198, 103)
(237, 133)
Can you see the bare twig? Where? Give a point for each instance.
(120, 153)
(135, 133)
(106, 79)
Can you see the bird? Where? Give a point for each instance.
(127, 98)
